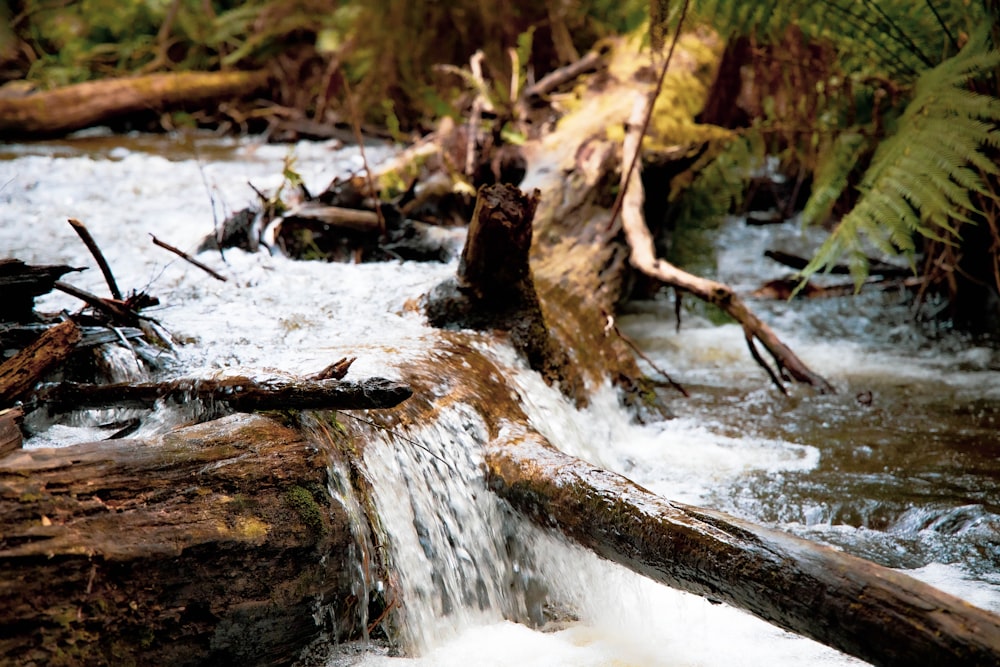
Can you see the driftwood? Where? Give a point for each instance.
(20, 373)
(872, 612)
(217, 544)
(83, 105)
(643, 257)
(238, 393)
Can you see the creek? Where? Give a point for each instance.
(900, 466)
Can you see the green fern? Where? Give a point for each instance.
(920, 178)
(898, 37)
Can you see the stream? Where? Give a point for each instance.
(900, 466)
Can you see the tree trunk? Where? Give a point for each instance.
(216, 544)
(856, 606)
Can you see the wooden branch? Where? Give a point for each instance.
(188, 258)
(20, 373)
(83, 105)
(95, 251)
(240, 393)
(872, 612)
(588, 63)
(643, 257)
(117, 311)
(217, 544)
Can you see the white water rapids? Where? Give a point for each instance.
(736, 445)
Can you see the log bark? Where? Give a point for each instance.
(494, 287)
(11, 439)
(20, 373)
(74, 107)
(872, 612)
(238, 393)
(216, 544)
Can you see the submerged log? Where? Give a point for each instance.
(239, 393)
(869, 611)
(216, 544)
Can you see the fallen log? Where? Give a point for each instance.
(215, 544)
(872, 612)
(81, 105)
(237, 392)
(20, 373)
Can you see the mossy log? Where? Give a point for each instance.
(215, 544)
(81, 105)
(877, 614)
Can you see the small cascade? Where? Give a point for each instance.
(459, 554)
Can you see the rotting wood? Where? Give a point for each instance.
(494, 288)
(643, 257)
(872, 612)
(81, 105)
(217, 544)
(10, 430)
(238, 393)
(20, 373)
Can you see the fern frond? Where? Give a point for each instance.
(920, 179)
(831, 176)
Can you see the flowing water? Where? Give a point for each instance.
(900, 466)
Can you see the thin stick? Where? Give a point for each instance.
(397, 435)
(356, 126)
(617, 208)
(91, 244)
(635, 348)
(183, 255)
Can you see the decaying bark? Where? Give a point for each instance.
(218, 544)
(82, 105)
(238, 393)
(872, 612)
(494, 288)
(20, 373)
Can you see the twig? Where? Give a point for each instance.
(635, 348)
(183, 255)
(356, 126)
(91, 244)
(589, 63)
(116, 310)
(627, 176)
